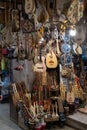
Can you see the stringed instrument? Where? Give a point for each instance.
(15, 20)
(15, 95)
(80, 36)
(77, 49)
(48, 8)
(40, 66)
(29, 6)
(56, 107)
(19, 89)
(51, 60)
(35, 55)
(79, 39)
(42, 14)
(57, 42)
(62, 91)
(58, 49)
(28, 114)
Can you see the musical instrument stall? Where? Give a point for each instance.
(49, 63)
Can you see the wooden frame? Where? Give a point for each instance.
(28, 25)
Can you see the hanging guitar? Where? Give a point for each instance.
(57, 43)
(40, 66)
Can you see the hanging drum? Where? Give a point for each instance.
(65, 48)
(66, 59)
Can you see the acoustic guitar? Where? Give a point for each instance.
(40, 66)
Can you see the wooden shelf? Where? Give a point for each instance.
(51, 119)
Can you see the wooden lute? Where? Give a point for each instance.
(51, 60)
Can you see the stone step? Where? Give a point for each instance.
(77, 120)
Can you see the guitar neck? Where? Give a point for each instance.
(56, 108)
(58, 50)
(40, 53)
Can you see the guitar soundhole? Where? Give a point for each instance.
(51, 62)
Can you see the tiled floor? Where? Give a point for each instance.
(7, 124)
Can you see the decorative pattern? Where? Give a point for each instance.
(75, 12)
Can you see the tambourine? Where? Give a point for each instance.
(66, 38)
(66, 59)
(66, 48)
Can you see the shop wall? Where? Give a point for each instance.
(26, 74)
